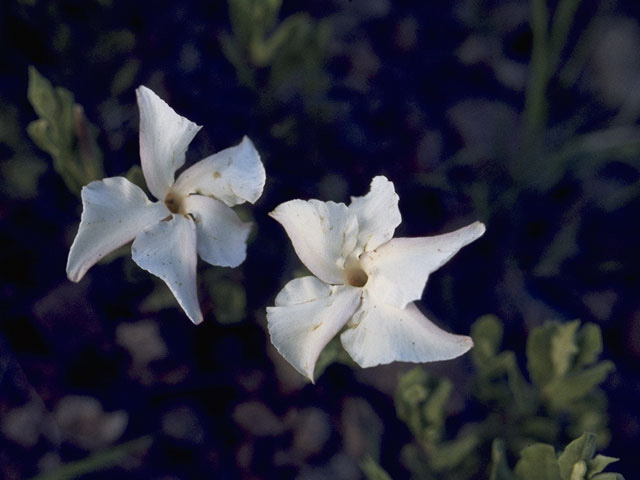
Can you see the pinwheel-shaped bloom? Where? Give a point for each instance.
(365, 282)
(192, 215)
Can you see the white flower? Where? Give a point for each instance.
(365, 280)
(193, 214)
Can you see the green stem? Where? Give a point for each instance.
(97, 461)
(535, 109)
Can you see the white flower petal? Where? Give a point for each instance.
(379, 334)
(399, 269)
(377, 213)
(234, 175)
(168, 250)
(114, 211)
(164, 138)
(322, 234)
(301, 329)
(302, 290)
(222, 236)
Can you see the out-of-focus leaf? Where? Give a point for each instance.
(373, 471)
(449, 455)
(135, 175)
(589, 340)
(562, 391)
(229, 301)
(125, 77)
(334, 352)
(64, 133)
(487, 333)
(420, 402)
(538, 462)
(539, 362)
(20, 176)
(563, 347)
(499, 467)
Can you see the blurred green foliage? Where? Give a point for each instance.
(539, 461)
(63, 131)
(278, 60)
(561, 401)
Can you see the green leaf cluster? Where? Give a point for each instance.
(63, 131)
(278, 59)
(558, 400)
(539, 461)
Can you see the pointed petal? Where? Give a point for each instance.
(168, 250)
(399, 269)
(114, 211)
(164, 138)
(322, 233)
(379, 334)
(302, 327)
(377, 213)
(222, 236)
(234, 175)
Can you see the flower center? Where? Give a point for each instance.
(356, 276)
(173, 202)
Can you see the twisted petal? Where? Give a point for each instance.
(222, 236)
(377, 213)
(379, 334)
(307, 315)
(234, 175)
(164, 138)
(114, 211)
(168, 250)
(323, 234)
(399, 269)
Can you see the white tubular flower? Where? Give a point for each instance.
(192, 215)
(365, 280)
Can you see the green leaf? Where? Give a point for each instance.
(487, 333)
(538, 462)
(98, 461)
(42, 96)
(135, 175)
(563, 347)
(608, 476)
(499, 467)
(598, 463)
(420, 402)
(580, 450)
(589, 340)
(230, 301)
(539, 362)
(64, 133)
(334, 352)
(563, 391)
(373, 471)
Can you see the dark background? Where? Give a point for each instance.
(430, 94)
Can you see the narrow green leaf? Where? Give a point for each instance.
(563, 347)
(563, 391)
(487, 333)
(98, 461)
(608, 476)
(41, 95)
(499, 467)
(580, 450)
(538, 462)
(539, 362)
(589, 340)
(598, 463)
(373, 471)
